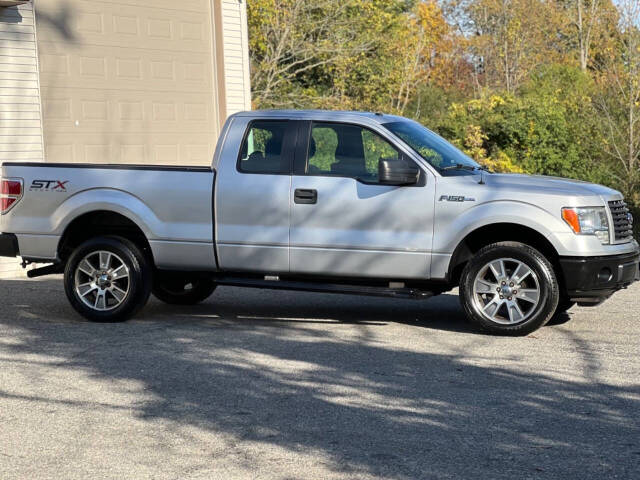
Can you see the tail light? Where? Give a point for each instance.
(10, 193)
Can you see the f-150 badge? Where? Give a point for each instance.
(454, 198)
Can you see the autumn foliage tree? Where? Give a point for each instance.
(357, 54)
(539, 86)
(618, 103)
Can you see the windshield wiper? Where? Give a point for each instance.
(459, 166)
(462, 166)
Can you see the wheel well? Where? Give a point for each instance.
(98, 223)
(500, 232)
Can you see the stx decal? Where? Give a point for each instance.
(50, 185)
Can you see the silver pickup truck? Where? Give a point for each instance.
(338, 202)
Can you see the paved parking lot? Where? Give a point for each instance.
(263, 384)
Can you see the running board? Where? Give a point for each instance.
(276, 284)
(54, 269)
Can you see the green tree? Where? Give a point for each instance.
(541, 86)
(546, 128)
(348, 54)
(618, 102)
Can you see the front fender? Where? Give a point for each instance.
(452, 228)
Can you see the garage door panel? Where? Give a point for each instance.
(112, 25)
(128, 82)
(125, 69)
(60, 6)
(157, 149)
(114, 111)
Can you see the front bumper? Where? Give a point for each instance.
(593, 279)
(9, 245)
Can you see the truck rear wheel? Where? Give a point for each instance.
(509, 288)
(107, 279)
(181, 289)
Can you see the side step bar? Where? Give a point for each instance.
(277, 284)
(48, 270)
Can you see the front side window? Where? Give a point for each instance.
(443, 156)
(347, 151)
(263, 148)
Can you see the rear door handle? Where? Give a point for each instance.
(305, 196)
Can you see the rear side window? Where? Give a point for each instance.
(263, 148)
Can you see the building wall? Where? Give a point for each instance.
(20, 111)
(20, 117)
(236, 55)
(120, 81)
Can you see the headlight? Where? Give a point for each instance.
(588, 221)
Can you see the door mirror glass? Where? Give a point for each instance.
(398, 171)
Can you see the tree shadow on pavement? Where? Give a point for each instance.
(256, 366)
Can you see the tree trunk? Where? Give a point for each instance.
(581, 37)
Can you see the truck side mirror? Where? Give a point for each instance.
(397, 171)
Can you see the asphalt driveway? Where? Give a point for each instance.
(264, 384)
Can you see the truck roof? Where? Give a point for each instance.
(335, 115)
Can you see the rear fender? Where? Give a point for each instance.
(112, 200)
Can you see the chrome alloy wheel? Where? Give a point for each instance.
(506, 291)
(102, 281)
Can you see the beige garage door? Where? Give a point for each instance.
(127, 81)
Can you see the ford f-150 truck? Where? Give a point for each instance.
(341, 202)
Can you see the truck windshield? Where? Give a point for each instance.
(443, 156)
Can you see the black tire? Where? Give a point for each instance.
(564, 305)
(543, 282)
(562, 311)
(137, 283)
(182, 289)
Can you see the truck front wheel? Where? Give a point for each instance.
(562, 312)
(107, 279)
(180, 289)
(509, 288)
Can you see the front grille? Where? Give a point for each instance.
(622, 223)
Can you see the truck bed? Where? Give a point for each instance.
(171, 204)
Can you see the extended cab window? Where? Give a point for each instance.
(263, 148)
(347, 151)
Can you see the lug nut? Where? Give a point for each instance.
(504, 283)
(515, 292)
(511, 284)
(498, 289)
(510, 298)
(501, 297)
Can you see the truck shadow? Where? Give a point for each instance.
(264, 306)
(343, 394)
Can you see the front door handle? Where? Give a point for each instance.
(305, 196)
